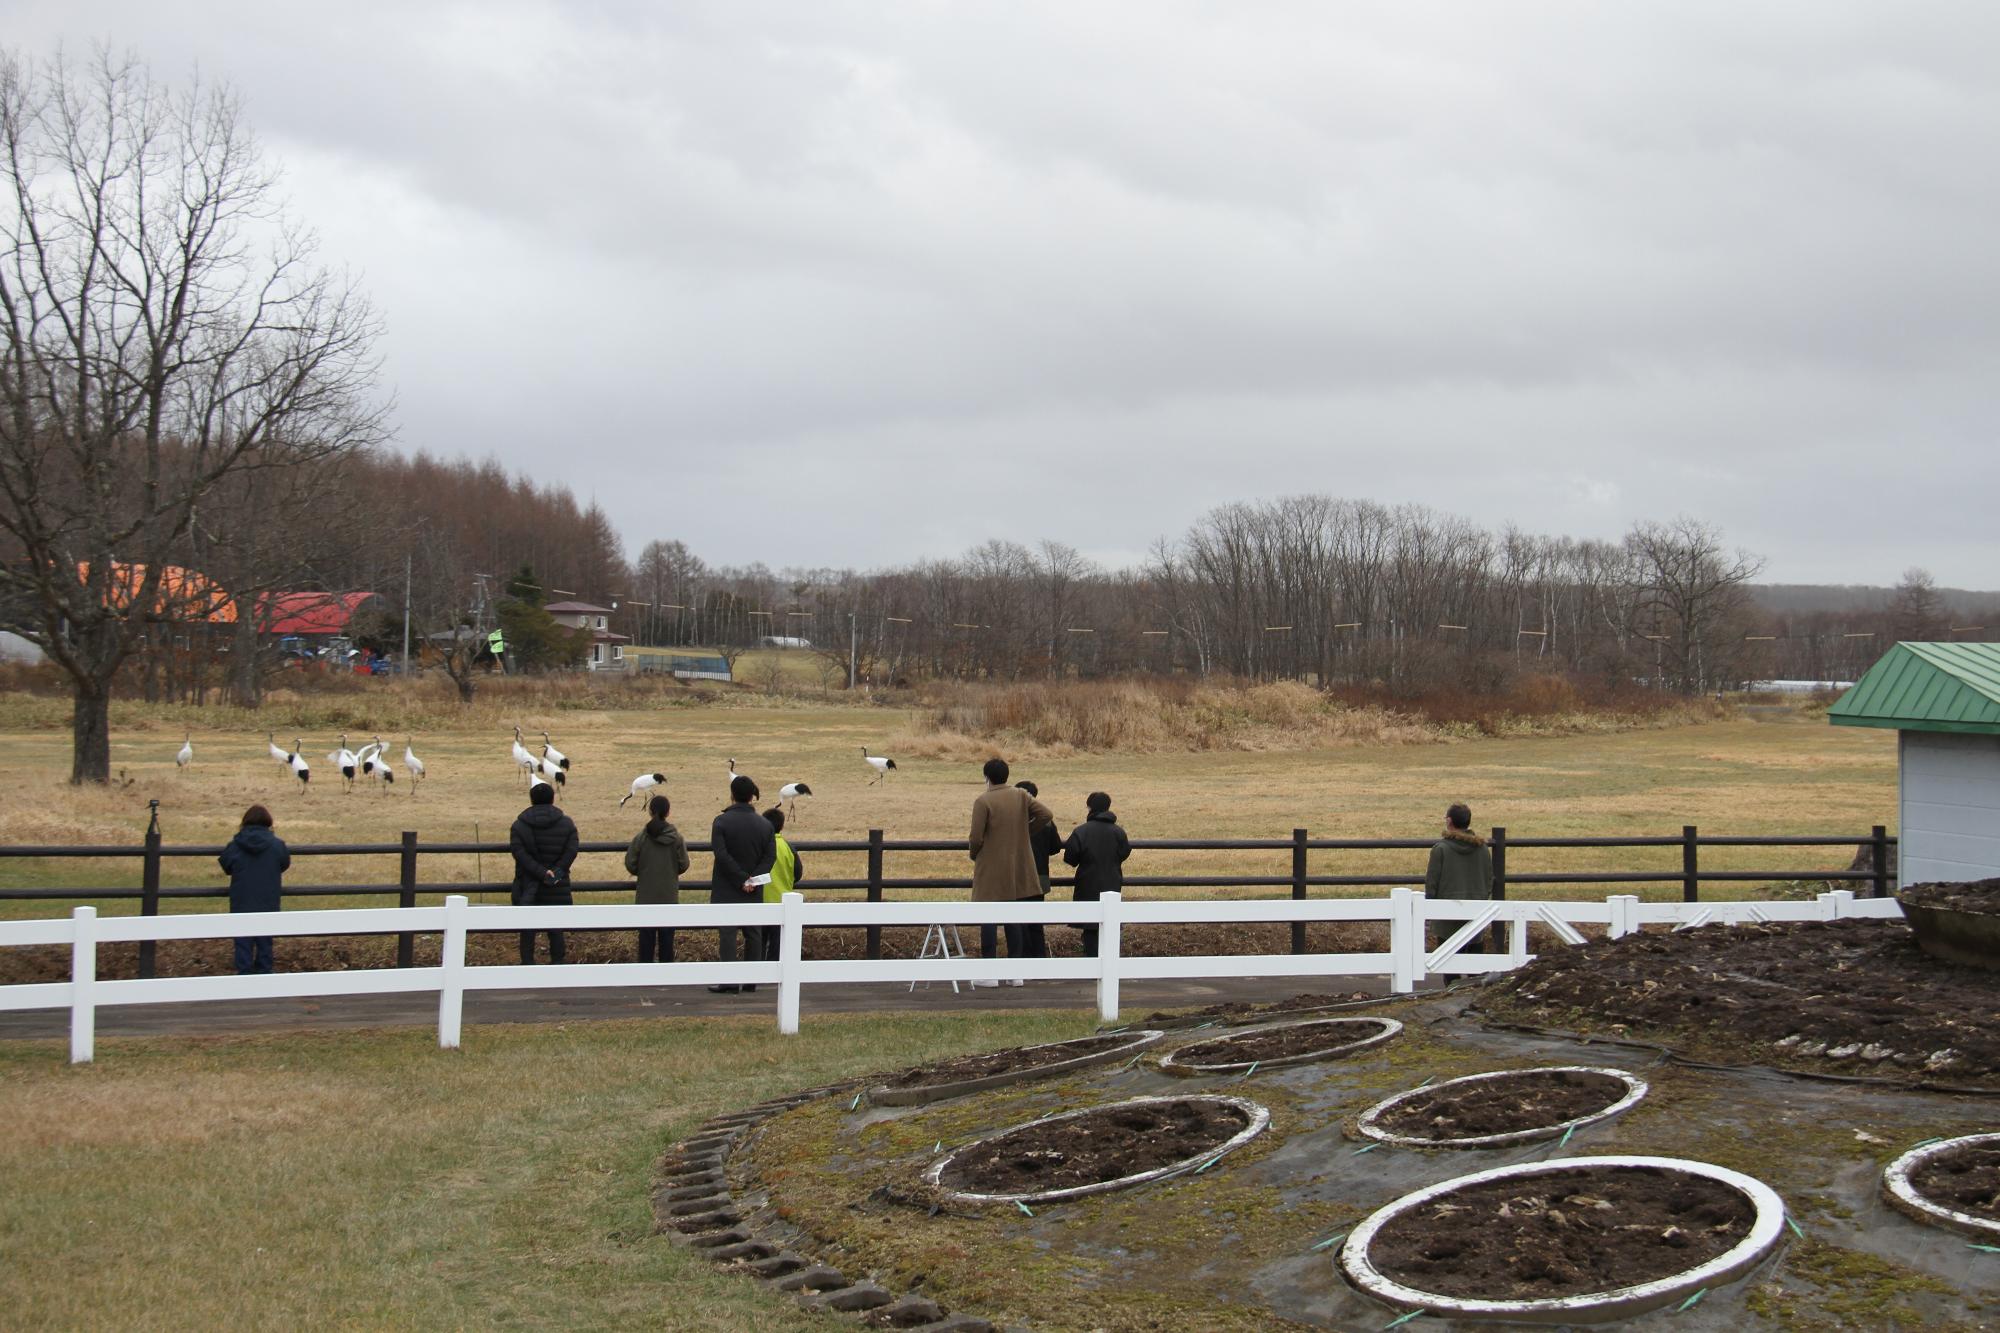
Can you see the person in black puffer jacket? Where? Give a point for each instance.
(1097, 848)
(255, 860)
(543, 841)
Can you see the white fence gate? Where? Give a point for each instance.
(1407, 961)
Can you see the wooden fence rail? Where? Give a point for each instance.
(1407, 961)
(877, 883)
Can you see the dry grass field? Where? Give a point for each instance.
(1769, 770)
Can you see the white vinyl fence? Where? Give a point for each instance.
(1406, 962)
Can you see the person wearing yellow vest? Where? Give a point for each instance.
(786, 872)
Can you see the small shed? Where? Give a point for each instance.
(1943, 700)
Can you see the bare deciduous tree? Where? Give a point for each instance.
(166, 328)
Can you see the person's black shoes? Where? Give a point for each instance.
(725, 990)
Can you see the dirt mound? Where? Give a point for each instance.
(968, 1067)
(1276, 1009)
(1095, 1147)
(1850, 997)
(1547, 1237)
(1281, 1043)
(1979, 895)
(1965, 1180)
(1532, 1099)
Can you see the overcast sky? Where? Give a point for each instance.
(857, 283)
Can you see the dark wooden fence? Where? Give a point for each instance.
(1690, 877)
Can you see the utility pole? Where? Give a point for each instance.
(853, 643)
(406, 611)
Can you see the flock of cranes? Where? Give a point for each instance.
(371, 763)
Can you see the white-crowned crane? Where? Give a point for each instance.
(185, 756)
(883, 767)
(522, 757)
(788, 796)
(292, 759)
(346, 761)
(642, 784)
(377, 767)
(551, 772)
(553, 755)
(414, 764)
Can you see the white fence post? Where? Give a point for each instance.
(1843, 903)
(791, 939)
(1624, 915)
(1110, 905)
(1406, 939)
(451, 959)
(83, 985)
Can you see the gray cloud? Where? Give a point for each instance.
(856, 283)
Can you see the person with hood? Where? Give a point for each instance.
(1044, 842)
(255, 860)
(657, 858)
(1003, 859)
(1461, 868)
(1098, 848)
(745, 850)
(543, 841)
(787, 869)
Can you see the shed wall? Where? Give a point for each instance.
(1950, 816)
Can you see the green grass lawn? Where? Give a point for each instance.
(369, 1179)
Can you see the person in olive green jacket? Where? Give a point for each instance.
(1461, 868)
(658, 856)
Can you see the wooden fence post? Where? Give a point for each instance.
(1110, 906)
(1298, 886)
(1879, 845)
(82, 985)
(406, 943)
(149, 899)
(1495, 938)
(874, 889)
(1690, 867)
(451, 985)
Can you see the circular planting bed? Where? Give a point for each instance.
(976, 1073)
(1577, 1240)
(1283, 1044)
(1503, 1107)
(1098, 1149)
(1955, 1183)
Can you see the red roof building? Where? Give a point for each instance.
(305, 613)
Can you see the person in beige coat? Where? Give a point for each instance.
(1003, 859)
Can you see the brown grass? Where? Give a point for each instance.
(1156, 715)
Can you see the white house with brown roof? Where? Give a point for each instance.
(607, 650)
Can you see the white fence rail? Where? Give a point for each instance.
(1408, 960)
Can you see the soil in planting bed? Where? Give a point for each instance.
(1533, 1099)
(1559, 1235)
(1850, 997)
(1965, 1180)
(1261, 1012)
(1090, 1149)
(1275, 1044)
(965, 1068)
(1981, 895)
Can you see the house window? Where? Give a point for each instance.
(600, 622)
(596, 652)
(617, 652)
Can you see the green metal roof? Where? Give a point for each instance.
(1927, 687)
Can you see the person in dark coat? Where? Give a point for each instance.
(1461, 868)
(1098, 848)
(543, 841)
(1031, 940)
(255, 860)
(657, 857)
(745, 848)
